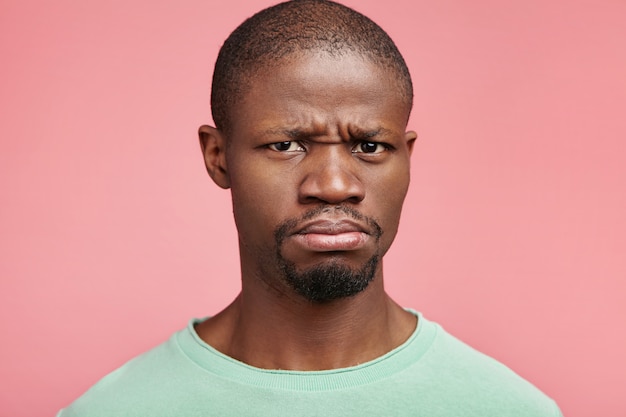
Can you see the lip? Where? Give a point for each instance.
(331, 227)
(330, 235)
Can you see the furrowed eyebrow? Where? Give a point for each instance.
(354, 133)
(293, 134)
(362, 134)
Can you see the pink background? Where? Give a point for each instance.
(513, 235)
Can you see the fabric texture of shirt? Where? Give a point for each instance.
(432, 374)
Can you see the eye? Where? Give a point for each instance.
(369, 147)
(287, 146)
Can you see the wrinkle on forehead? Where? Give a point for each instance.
(320, 97)
(328, 132)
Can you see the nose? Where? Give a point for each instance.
(331, 177)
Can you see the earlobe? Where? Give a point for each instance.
(410, 138)
(213, 144)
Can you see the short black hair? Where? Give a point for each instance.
(298, 26)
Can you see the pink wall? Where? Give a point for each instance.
(513, 236)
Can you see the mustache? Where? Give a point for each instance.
(284, 228)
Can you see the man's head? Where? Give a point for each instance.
(312, 141)
(292, 28)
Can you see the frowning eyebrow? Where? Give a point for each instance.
(354, 133)
(364, 134)
(293, 134)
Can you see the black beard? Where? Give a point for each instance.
(332, 280)
(328, 282)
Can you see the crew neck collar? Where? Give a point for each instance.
(396, 360)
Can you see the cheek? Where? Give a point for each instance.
(254, 230)
(389, 188)
(389, 197)
(250, 208)
(260, 203)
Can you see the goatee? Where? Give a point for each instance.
(328, 282)
(332, 279)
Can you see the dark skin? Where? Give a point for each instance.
(315, 131)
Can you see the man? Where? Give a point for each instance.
(311, 100)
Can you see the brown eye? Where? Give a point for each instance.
(287, 146)
(369, 147)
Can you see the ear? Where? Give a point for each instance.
(213, 144)
(410, 137)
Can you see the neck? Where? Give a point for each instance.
(284, 331)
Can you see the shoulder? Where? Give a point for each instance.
(136, 385)
(479, 381)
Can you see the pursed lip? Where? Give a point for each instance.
(331, 235)
(331, 227)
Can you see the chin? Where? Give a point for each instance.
(329, 281)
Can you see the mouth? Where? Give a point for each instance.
(331, 235)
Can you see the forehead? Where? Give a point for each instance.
(325, 64)
(304, 87)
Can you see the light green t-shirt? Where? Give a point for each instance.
(432, 374)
